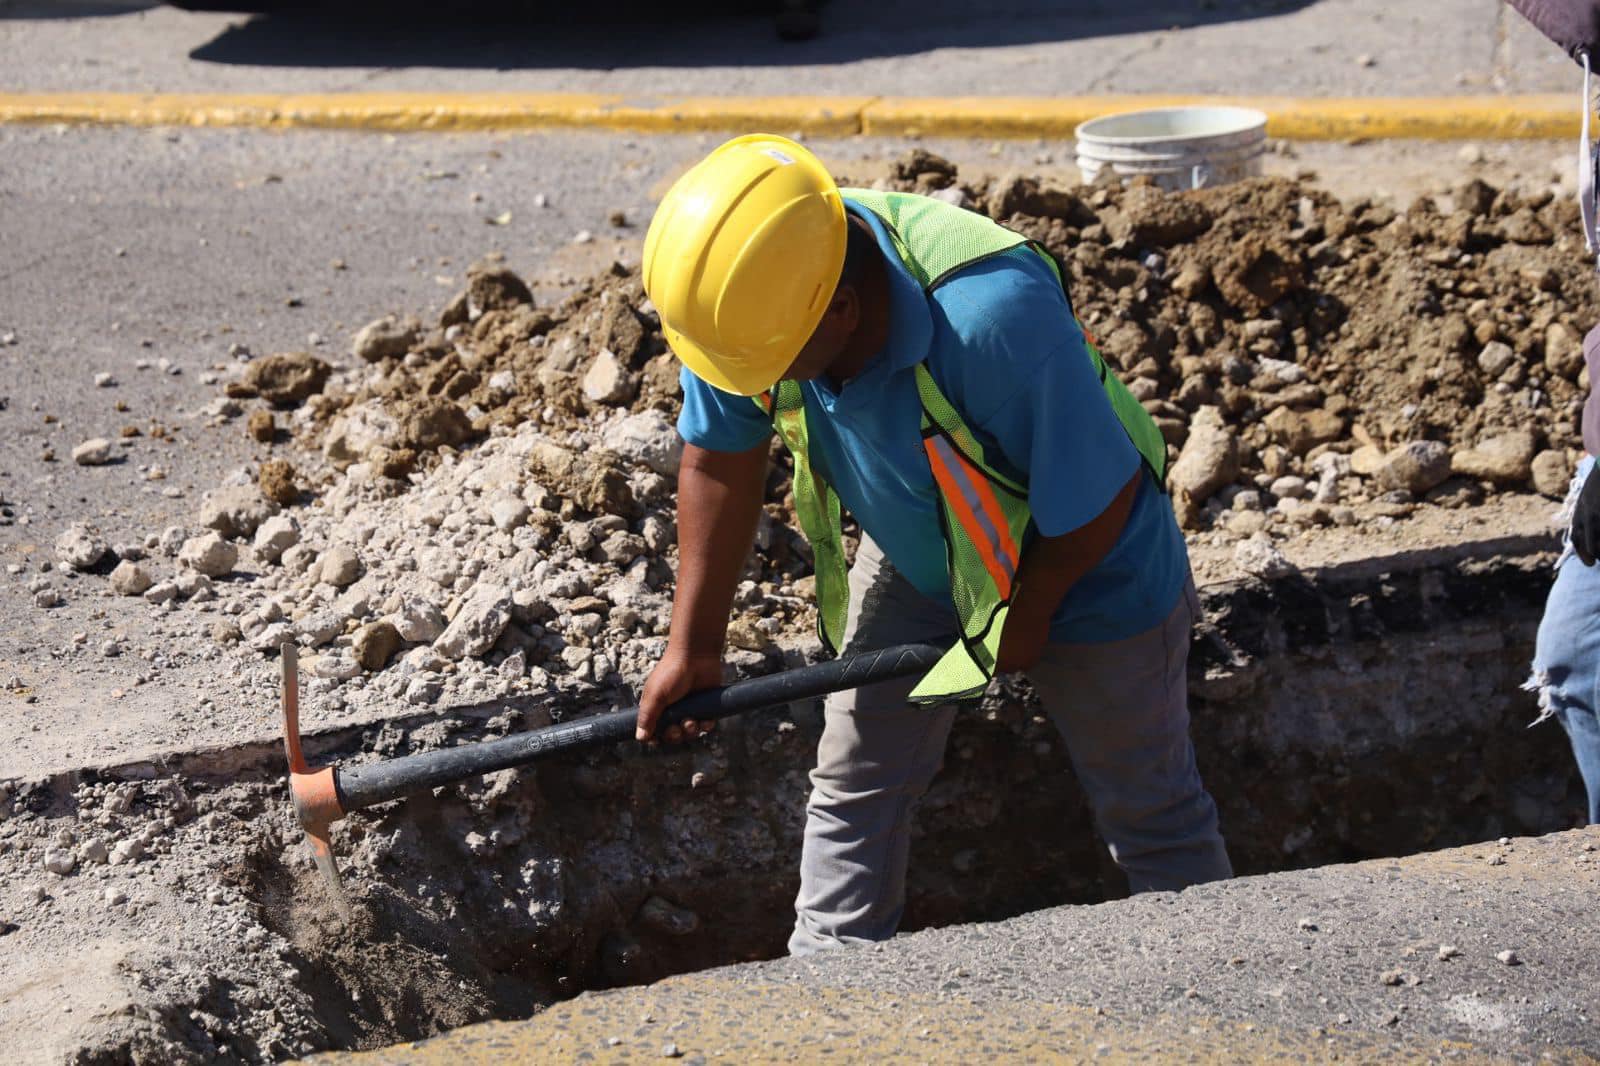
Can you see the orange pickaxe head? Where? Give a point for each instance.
(315, 792)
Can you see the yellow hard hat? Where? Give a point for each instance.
(742, 258)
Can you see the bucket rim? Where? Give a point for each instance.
(1249, 119)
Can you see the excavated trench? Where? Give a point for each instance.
(1371, 709)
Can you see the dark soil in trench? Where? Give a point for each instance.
(1334, 721)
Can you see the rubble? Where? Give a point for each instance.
(284, 379)
(236, 511)
(339, 566)
(208, 554)
(484, 502)
(130, 579)
(385, 338)
(93, 452)
(274, 537)
(276, 481)
(80, 546)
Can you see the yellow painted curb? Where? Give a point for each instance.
(451, 112)
(1295, 118)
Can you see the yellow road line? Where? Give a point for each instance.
(1297, 118)
(1294, 118)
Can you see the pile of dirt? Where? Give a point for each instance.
(1290, 325)
(1432, 355)
(485, 504)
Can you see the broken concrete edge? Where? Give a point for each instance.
(1365, 598)
(1523, 117)
(1008, 991)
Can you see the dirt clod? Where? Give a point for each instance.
(261, 426)
(285, 379)
(277, 482)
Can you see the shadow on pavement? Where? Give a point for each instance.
(70, 9)
(532, 34)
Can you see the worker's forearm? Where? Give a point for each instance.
(1050, 566)
(719, 501)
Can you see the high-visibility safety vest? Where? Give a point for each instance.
(984, 514)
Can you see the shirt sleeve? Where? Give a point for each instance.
(719, 421)
(1061, 430)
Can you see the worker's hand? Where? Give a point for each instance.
(1023, 640)
(674, 677)
(1586, 520)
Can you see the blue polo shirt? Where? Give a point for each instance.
(1003, 347)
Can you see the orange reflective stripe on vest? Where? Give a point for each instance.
(972, 498)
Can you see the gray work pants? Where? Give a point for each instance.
(1121, 707)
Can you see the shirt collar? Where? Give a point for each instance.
(910, 321)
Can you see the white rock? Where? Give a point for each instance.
(171, 540)
(508, 513)
(161, 592)
(104, 380)
(94, 852)
(60, 861)
(607, 380)
(514, 665)
(319, 628)
(1506, 459)
(424, 690)
(47, 598)
(130, 579)
(272, 637)
(622, 548)
(208, 554)
(1261, 559)
(418, 621)
(1415, 466)
(340, 566)
(423, 660)
(236, 510)
(80, 546)
(127, 851)
(648, 438)
(193, 586)
(96, 451)
(355, 433)
(1210, 457)
(275, 536)
(1495, 357)
(658, 534)
(298, 559)
(479, 623)
(339, 665)
(1289, 487)
(385, 338)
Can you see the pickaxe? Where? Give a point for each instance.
(326, 794)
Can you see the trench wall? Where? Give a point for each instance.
(1355, 713)
(1361, 711)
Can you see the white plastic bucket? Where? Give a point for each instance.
(1179, 147)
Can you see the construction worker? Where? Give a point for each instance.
(1566, 660)
(926, 371)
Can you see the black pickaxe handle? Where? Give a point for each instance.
(363, 786)
(324, 795)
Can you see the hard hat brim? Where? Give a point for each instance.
(704, 366)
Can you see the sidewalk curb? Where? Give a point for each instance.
(1293, 118)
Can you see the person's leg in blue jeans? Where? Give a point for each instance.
(1566, 661)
